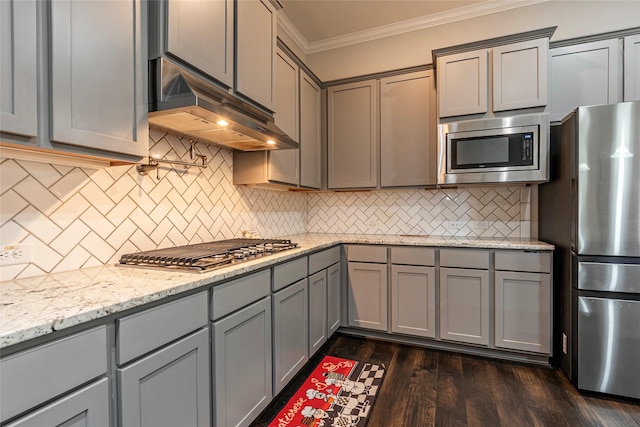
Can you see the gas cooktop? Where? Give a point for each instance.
(206, 256)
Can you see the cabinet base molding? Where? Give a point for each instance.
(449, 346)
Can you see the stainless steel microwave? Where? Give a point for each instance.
(496, 150)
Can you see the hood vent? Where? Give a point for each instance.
(184, 103)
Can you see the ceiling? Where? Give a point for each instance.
(324, 24)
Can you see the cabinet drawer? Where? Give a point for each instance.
(324, 259)
(413, 256)
(229, 297)
(288, 273)
(50, 370)
(523, 261)
(464, 258)
(145, 331)
(367, 253)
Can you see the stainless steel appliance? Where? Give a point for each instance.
(590, 210)
(495, 150)
(186, 102)
(206, 256)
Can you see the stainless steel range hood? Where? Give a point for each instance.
(184, 103)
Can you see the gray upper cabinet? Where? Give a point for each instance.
(255, 51)
(632, 68)
(310, 133)
(99, 103)
(353, 135)
(201, 33)
(18, 68)
(462, 83)
(520, 75)
(584, 74)
(501, 74)
(408, 130)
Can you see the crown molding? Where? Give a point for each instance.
(402, 27)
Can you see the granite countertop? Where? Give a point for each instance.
(40, 305)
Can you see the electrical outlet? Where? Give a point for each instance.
(456, 225)
(19, 253)
(372, 223)
(564, 343)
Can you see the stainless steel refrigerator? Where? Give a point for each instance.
(590, 209)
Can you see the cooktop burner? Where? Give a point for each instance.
(206, 256)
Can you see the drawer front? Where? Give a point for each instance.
(321, 260)
(231, 296)
(413, 256)
(524, 261)
(464, 258)
(367, 253)
(50, 370)
(143, 332)
(288, 273)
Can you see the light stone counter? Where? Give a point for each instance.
(38, 306)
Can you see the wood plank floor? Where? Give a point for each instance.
(424, 387)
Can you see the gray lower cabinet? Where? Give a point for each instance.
(169, 387)
(367, 295)
(317, 311)
(242, 364)
(54, 372)
(290, 333)
(88, 406)
(464, 305)
(334, 293)
(413, 299)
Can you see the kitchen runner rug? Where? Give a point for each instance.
(339, 392)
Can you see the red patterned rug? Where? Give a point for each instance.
(339, 392)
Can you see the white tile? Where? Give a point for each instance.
(70, 184)
(73, 261)
(10, 174)
(97, 198)
(11, 232)
(11, 205)
(97, 247)
(42, 255)
(121, 234)
(37, 195)
(37, 224)
(119, 189)
(97, 222)
(70, 210)
(70, 237)
(44, 173)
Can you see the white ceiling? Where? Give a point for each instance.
(318, 25)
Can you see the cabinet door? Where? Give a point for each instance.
(520, 75)
(201, 34)
(255, 50)
(284, 164)
(464, 305)
(86, 407)
(632, 68)
(242, 365)
(584, 74)
(98, 68)
(317, 311)
(523, 311)
(413, 299)
(310, 137)
(462, 83)
(334, 279)
(18, 68)
(353, 135)
(290, 333)
(407, 130)
(367, 294)
(169, 387)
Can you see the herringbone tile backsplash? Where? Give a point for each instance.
(73, 217)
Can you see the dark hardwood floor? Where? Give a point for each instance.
(424, 387)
